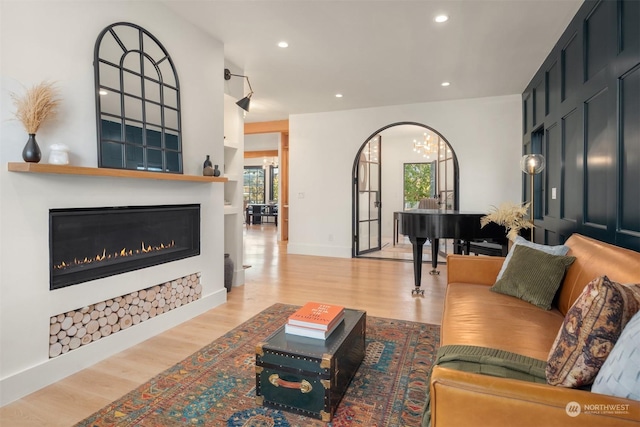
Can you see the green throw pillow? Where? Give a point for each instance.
(533, 276)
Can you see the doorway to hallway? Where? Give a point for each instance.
(397, 168)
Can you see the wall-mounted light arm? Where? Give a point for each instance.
(244, 102)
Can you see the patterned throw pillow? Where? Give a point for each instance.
(551, 250)
(620, 374)
(590, 329)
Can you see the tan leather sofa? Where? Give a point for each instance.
(473, 315)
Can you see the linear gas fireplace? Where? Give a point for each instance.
(92, 243)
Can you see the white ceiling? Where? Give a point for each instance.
(379, 52)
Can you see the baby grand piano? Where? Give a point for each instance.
(434, 224)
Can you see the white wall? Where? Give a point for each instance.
(484, 132)
(262, 141)
(54, 40)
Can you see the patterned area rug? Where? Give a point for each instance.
(216, 385)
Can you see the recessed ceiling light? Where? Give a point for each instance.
(102, 92)
(445, 84)
(441, 18)
(283, 44)
(338, 95)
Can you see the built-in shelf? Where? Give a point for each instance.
(116, 173)
(233, 168)
(229, 210)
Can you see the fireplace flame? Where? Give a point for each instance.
(104, 256)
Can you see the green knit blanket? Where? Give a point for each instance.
(485, 361)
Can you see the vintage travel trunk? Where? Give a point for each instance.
(310, 376)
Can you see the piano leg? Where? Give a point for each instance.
(418, 244)
(434, 256)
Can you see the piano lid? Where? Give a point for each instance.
(449, 224)
(439, 212)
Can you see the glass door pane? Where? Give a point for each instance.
(368, 195)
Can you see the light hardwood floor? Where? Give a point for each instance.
(382, 288)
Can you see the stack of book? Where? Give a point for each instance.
(315, 320)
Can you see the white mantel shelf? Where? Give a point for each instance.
(116, 173)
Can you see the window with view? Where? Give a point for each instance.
(418, 183)
(254, 188)
(274, 181)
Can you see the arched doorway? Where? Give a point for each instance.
(383, 168)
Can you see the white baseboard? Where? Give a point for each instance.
(318, 250)
(238, 276)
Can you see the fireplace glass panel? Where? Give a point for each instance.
(92, 243)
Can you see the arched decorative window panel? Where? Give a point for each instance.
(137, 101)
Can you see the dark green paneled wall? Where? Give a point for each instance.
(582, 111)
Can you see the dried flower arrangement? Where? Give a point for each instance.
(511, 216)
(38, 104)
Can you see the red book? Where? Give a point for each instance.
(317, 316)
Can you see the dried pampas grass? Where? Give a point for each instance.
(511, 216)
(38, 104)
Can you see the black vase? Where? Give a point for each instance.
(207, 162)
(228, 272)
(216, 171)
(31, 152)
(207, 167)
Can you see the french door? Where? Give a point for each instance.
(368, 204)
